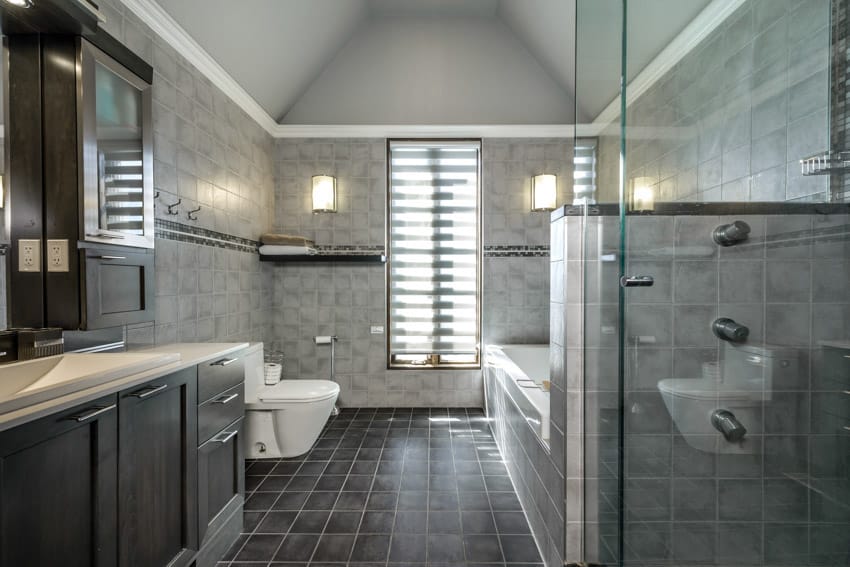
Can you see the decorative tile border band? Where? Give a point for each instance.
(350, 250)
(170, 230)
(517, 251)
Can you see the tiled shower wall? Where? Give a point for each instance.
(732, 119)
(209, 154)
(345, 299)
(683, 506)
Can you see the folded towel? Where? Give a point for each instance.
(285, 240)
(276, 250)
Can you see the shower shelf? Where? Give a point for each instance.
(825, 163)
(319, 258)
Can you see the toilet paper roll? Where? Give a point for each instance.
(324, 339)
(271, 373)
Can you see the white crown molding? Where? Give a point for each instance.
(173, 33)
(690, 37)
(425, 130)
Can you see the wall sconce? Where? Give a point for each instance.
(544, 192)
(324, 194)
(642, 194)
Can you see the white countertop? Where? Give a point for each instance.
(191, 354)
(836, 344)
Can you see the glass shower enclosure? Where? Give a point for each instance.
(706, 334)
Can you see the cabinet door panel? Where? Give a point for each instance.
(221, 474)
(157, 467)
(58, 489)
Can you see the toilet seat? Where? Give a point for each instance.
(299, 391)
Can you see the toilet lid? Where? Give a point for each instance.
(299, 391)
(700, 389)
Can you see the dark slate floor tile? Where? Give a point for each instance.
(364, 467)
(333, 547)
(358, 483)
(444, 522)
(408, 548)
(260, 467)
(498, 483)
(321, 500)
(297, 547)
(276, 522)
(259, 547)
(234, 549)
(331, 482)
(274, 483)
(504, 501)
(474, 501)
(412, 500)
(251, 520)
(351, 501)
(478, 522)
(382, 501)
(482, 548)
(371, 547)
(520, 548)
(310, 522)
(445, 548)
(303, 482)
(338, 467)
(470, 483)
(442, 501)
(414, 482)
(411, 522)
(342, 522)
(261, 501)
(511, 523)
(377, 522)
(384, 482)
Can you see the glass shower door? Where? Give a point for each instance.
(734, 364)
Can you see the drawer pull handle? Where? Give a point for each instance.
(105, 257)
(105, 235)
(94, 412)
(225, 399)
(225, 436)
(149, 391)
(223, 362)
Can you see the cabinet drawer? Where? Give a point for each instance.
(221, 476)
(216, 376)
(216, 413)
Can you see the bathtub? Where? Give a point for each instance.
(521, 370)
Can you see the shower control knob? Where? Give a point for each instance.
(731, 234)
(728, 330)
(726, 423)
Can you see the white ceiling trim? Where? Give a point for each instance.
(689, 38)
(173, 33)
(404, 130)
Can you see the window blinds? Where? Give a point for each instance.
(433, 253)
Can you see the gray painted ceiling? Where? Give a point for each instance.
(276, 49)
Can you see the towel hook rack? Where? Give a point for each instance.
(171, 210)
(191, 215)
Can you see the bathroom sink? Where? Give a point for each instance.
(34, 381)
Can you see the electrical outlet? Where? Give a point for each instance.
(57, 255)
(376, 329)
(29, 255)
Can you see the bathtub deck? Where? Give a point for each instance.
(387, 487)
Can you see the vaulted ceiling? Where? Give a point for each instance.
(427, 61)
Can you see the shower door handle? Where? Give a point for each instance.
(636, 281)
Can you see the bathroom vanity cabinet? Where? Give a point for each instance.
(151, 475)
(58, 488)
(157, 472)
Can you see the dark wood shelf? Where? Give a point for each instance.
(322, 258)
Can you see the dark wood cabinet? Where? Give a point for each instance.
(58, 489)
(157, 472)
(118, 286)
(221, 478)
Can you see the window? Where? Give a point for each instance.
(434, 254)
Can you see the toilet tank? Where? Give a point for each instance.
(758, 369)
(253, 372)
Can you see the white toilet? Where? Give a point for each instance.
(747, 377)
(285, 419)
